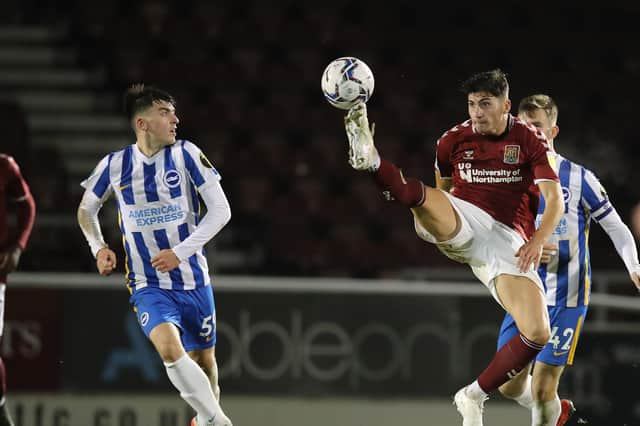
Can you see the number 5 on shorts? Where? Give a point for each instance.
(207, 326)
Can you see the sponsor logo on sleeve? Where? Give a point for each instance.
(205, 161)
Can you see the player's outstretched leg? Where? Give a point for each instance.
(363, 155)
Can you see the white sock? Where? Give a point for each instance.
(546, 413)
(474, 391)
(526, 399)
(194, 386)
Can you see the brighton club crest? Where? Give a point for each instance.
(511, 154)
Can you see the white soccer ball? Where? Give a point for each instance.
(346, 82)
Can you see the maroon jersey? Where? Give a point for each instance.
(14, 189)
(497, 173)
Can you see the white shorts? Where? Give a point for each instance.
(486, 245)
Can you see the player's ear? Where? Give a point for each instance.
(554, 131)
(140, 124)
(507, 105)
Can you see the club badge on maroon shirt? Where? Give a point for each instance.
(511, 154)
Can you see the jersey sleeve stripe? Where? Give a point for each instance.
(604, 214)
(150, 188)
(590, 196)
(600, 206)
(125, 176)
(600, 209)
(103, 181)
(195, 174)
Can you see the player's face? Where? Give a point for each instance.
(162, 123)
(488, 113)
(541, 120)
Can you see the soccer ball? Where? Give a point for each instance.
(346, 82)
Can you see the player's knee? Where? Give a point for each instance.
(545, 385)
(543, 335)
(539, 334)
(206, 362)
(170, 353)
(206, 367)
(544, 391)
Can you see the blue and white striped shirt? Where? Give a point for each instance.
(158, 205)
(567, 277)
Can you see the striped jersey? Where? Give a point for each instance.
(158, 207)
(567, 278)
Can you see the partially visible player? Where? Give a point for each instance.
(566, 268)
(482, 213)
(635, 221)
(157, 182)
(14, 191)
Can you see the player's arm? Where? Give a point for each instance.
(89, 223)
(531, 252)
(623, 241)
(542, 162)
(97, 189)
(217, 216)
(443, 166)
(553, 210)
(19, 193)
(596, 200)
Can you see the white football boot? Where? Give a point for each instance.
(219, 420)
(363, 154)
(470, 409)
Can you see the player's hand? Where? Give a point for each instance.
(9, 259)
(105, 261)
(529, 254)
(549, 251)
(635, 277)
(165, 260)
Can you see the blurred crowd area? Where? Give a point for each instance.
(246, 78)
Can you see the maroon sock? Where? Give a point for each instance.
(409, 192)
(3, 380)
(508, 361)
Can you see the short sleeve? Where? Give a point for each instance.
(443, 157)
(99, 181)
(542, 160)
(200, 170)
(594, 196)
(17, 188)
